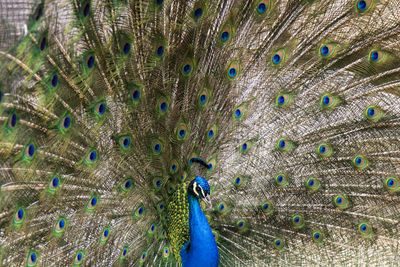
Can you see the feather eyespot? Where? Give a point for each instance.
(182, 131)
(284, 144)
(263, 7)
(298, 221)
(324, 150)
(240, 112)
(341, 202)
(223, 208)
(124, 252)
(38, 13)
(278, 57)
(392, 184)
(224, 36)
(246, 147)
(183, 176)
(143, 257)
(139, 212)
(125, 142)
(160, 50)
(199, 9)
(54, 80)
(152, 229)
(281, 180)
(377, 56)
(86, 9)
(312, 185)
(174, 166)
(187, 67)
(212, 164)
(60, 226)
(162, 104)
(157, 183)
(373, 113)
(166, 252)
(160, 207)
(19, 217)
(66, 122)
(239, 181)
(93, 202)
(241, 225)
(42, 43)
(32, 259)
(328, 101)
(105, 235)
(318, 237)
(360, 162)
(126, 47)
(365, 229)
(90, 61)
(363, 6)
(203, 98)
(91, 157)
(283, 100)
(327, 50)
(198, 12)
(324, 50)
(78, 259)
(30, 151)
(53, 184)
(12, 120)
(100, 109)
(226, 33)
(279, 244)
(171, 189)
(374, 56)
(233, 70)
(135, 95)
(127, 185)
(156, 147)
(212, 132)
(267, 208)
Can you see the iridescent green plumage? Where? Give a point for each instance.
(288, 108)
(178, 220)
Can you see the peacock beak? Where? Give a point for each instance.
(207, 200)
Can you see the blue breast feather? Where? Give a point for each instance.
(202, 250)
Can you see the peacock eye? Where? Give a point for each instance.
(198, 189)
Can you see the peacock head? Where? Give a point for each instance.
(200, 189)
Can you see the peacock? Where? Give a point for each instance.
(199, 133)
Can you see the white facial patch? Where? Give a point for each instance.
(194, 188)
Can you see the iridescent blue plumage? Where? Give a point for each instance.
(201, 250)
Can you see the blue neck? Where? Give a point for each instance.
(203, 250)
